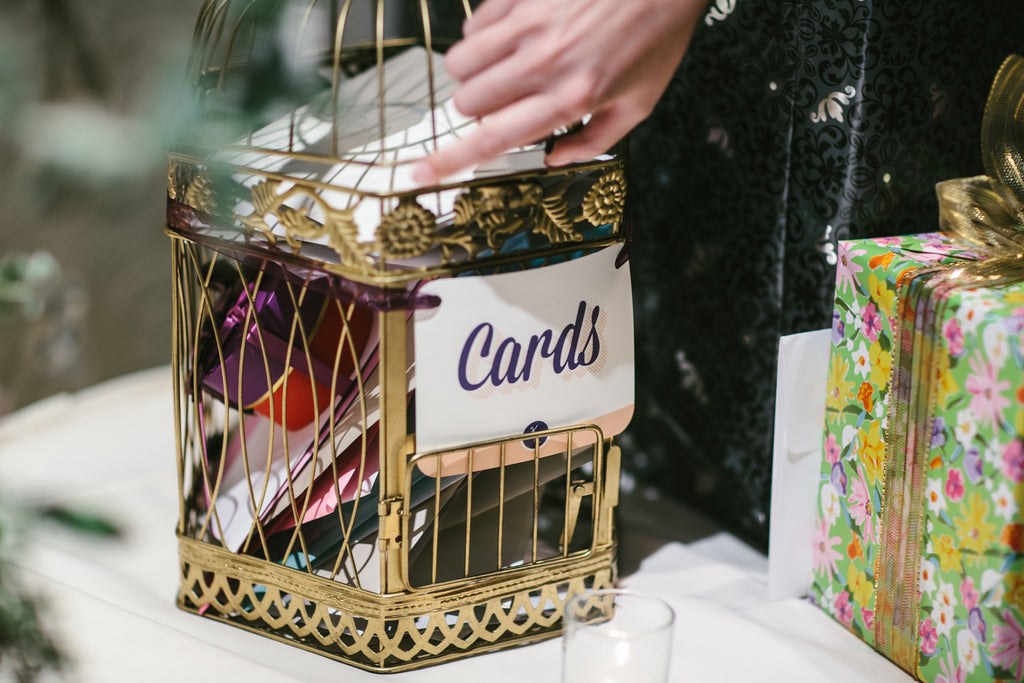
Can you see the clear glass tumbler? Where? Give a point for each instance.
(616, 636)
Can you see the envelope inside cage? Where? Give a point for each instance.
(269, 368)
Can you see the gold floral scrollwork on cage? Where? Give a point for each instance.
(174, 181)
(503, 211)
(606, 199)
(494, 210)
(406, 232)
(337, 225)
(189, 185)
(555, 220)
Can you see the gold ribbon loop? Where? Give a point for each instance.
(988, 211)
(1002, 135)
(984, 212)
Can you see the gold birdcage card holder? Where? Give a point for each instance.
(331, 495)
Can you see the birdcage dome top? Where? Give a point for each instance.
(309, 115)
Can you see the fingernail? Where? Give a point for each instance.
(554, 161)
(423, 174)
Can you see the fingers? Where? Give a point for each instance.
(506, 53)
(486, 14)
(519, 124)
(473, 54)
(528, 67)
(494, 89)
(602, 131)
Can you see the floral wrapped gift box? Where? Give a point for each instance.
(920, 540)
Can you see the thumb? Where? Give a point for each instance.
(603, 130)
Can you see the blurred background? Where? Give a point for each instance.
(87, 88)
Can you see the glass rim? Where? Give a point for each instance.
(667, 620)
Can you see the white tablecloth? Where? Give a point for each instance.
(110, 449)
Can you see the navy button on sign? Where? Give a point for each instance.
(536, 426)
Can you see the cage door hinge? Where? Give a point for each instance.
(390, 513)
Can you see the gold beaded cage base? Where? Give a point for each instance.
(382, 633)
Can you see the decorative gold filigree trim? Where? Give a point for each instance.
(606, 199)
(406, 232)
(338, 225)
(483, 219)
(187, 184)
(381, 632)
(506, 210)
(555, 221)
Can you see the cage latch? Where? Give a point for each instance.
(390, 513)
(610, 497)
(577, 491)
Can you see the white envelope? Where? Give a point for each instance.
(416, 120)
(799, 425)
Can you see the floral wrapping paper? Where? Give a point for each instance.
(970, 559)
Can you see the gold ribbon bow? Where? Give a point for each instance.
(987, 211)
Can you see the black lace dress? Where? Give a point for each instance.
(791, 124)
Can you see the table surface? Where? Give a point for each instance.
(110, 603)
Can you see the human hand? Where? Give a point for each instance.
(530, 67)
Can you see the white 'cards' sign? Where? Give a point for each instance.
(516, 353)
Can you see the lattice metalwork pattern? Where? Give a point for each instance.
(390, 633)
(306, 512)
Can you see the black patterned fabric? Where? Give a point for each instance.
(791, 124)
